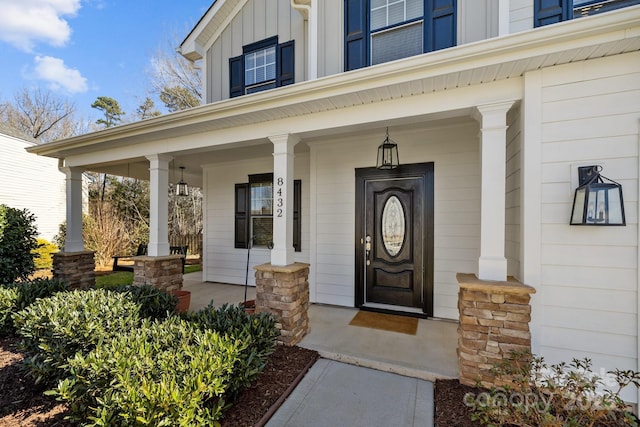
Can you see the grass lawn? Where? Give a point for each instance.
(126, 277)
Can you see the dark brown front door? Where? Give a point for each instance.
(394, 249)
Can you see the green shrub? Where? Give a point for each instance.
(17, 239)
(561, 395)
(8, 302)
(153, 302)
(16, 296)
(166, 373)
(43, 254)
(56, 328)
(259, 330)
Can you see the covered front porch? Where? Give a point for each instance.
(429, 354)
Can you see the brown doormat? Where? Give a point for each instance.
(386, 322)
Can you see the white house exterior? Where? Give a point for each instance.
(492, 122)
(31, 182)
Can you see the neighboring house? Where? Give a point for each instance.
(493, 104)
(31, 182)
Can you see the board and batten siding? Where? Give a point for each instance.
(258, 20)
(454, 150)
(222, 262)
(32, 182)
(590, 113)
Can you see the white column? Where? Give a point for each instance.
(73, 240)
(492, 264)
(282, 253)
(158, 204)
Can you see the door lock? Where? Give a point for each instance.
(367, 249)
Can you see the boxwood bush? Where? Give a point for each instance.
(165, 373)
(18, 237)
(19, 295)
(56, 328)
(258, 330)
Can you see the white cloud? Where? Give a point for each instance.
(58, 75)
(23, 23)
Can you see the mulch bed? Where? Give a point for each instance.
(450, 410)
(23, 404)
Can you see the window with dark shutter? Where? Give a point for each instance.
(254, 212)
(378, 31)
(263, 65)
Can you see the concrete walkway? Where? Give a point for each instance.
(343, 395)
(398, 392)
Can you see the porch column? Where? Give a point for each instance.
(492, 264)
(282, 253)
(158, 205)
(73, 240)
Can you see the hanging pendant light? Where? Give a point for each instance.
(597, 202)
(387, 154)
(182, 188)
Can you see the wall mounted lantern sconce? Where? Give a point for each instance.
(387, 154)
(597, 202)
(182, 188)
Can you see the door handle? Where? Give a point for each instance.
(367, 249)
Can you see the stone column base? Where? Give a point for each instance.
(75, 268)
(161, 272)
(284, 292)
(494, 321)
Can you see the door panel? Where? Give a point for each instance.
(394, 238)
(393, 273)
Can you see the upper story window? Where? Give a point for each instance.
(260, 69)
(263, 65)
(378, 31)
(396, 28)
(551, 11)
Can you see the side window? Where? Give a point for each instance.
(254, 212)
(378, 31)
(263, 65)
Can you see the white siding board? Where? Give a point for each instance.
(32, 182)
(589, 275)
(586, 277)
(599, 301)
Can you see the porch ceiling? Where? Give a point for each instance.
(343, 103)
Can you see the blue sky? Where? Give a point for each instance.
(82, 49)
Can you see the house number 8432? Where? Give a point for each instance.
(279, 198)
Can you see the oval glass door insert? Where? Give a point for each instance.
(393, 226)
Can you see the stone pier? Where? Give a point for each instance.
(494, 321)
(161, 272)
(284, 292)
(75, 268)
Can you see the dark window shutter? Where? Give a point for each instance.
(286, 63)
(440, 24)
(297, 213)
(547, 12)
(236, 76)
(242, 215)
(356, 30)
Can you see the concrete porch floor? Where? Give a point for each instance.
(428, 355)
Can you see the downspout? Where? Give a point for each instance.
(309, 13)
